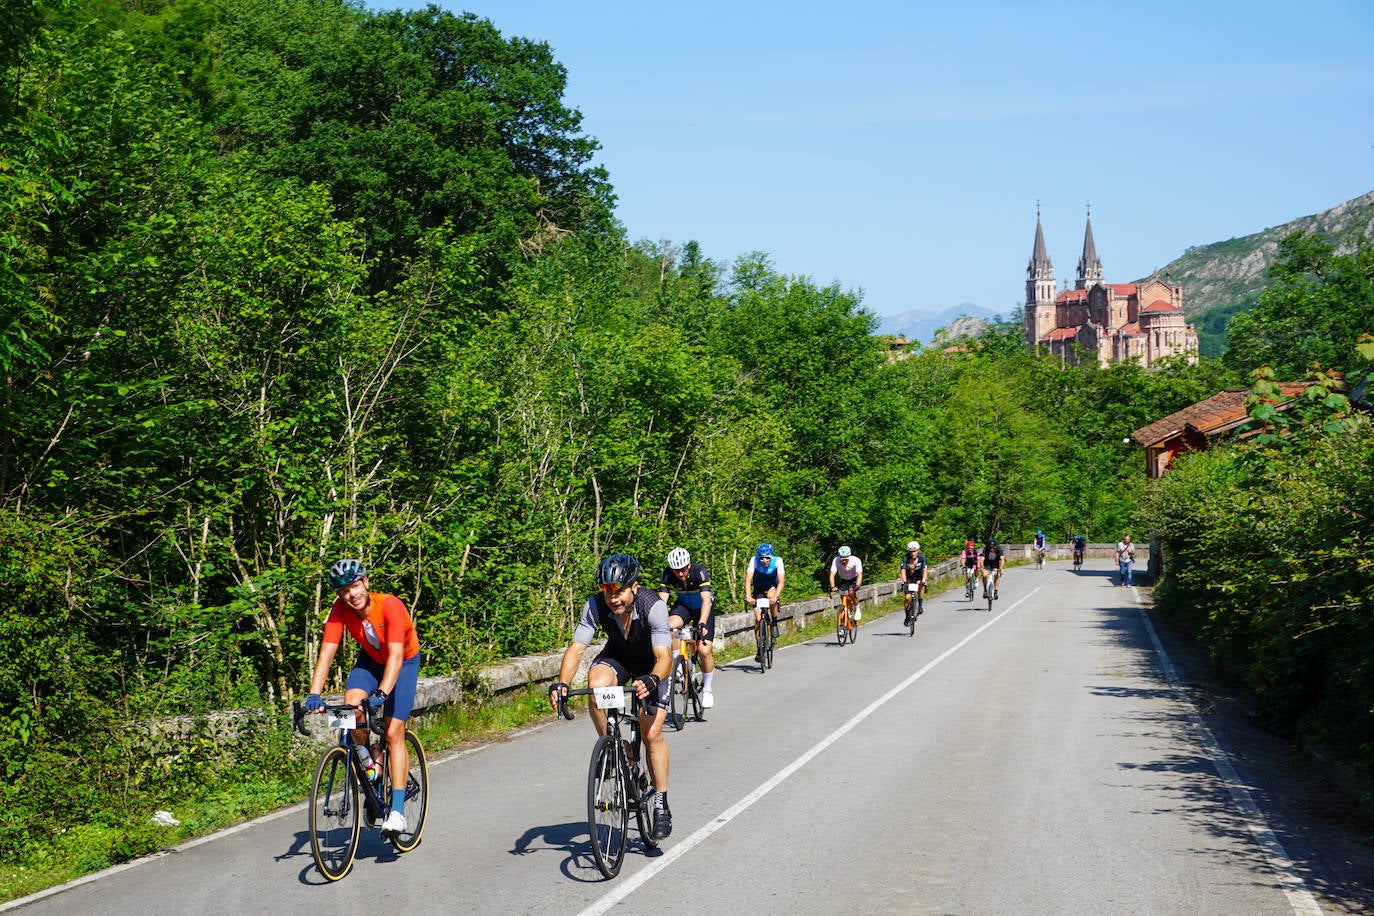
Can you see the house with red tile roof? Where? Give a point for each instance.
(1100, 320)
(1194, 427)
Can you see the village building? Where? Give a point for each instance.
(1108, 322)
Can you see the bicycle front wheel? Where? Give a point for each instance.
(770, 641)
(334, 821)
(417, 797)
(842, 626)
(608, 812)
(677, 695)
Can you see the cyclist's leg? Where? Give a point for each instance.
(365, 677)
(706, 633)
(651, 727)
(773, 607)
(398, 708)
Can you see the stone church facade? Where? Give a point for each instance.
(1109, 322)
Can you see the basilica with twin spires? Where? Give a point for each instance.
(1112, 322)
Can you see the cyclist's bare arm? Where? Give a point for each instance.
(572, 658)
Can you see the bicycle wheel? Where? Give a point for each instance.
(694, 693)
(417, 797)
(334, 822)
(761, 639)
(607, 812)
(853, 629)
(842, 624)
(911, 619)
(644, 806)
(677, 695)
(769, 642)
(991, 591)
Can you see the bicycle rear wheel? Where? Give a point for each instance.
(694, 693)
(644, 806)
(417, 797)
(334, 821)
(608, 813)
(853, 629)
(677, 695)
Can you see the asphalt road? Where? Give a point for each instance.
(1040, 758)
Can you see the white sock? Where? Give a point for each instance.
(706, 679)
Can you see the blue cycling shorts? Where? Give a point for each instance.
(367, 675)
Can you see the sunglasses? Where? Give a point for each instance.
(611, 587)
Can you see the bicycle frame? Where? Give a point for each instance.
(343, 718)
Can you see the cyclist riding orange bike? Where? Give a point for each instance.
(638, 653)
(691, 583)
(847, 574)
(385, 673)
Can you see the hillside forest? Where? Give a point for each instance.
(283, 281)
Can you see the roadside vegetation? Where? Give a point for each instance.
(282, 282)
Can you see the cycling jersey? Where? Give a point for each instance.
(914, 566)
(387, 621)
(1078, 544)
(634, 648)
(1039, 542)
(992, 557)
(969, 558)
(844, 570)
(690, 590)
(766, 577)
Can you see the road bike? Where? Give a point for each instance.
(847, 620)
(1078, 561)
(1040, 558)
(989, 587)
(913, 595)
(618, 778)
(343, 796)
(971, 574)
(765, 633)
(685, 680)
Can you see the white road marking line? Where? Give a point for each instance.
(639, 878)
(1299, 898)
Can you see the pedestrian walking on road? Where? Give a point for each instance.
(1125, 558)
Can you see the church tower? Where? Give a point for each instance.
(1089, 267)
(1039, 289)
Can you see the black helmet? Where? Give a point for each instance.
(619, 570)
(991, 542)
(346, 572)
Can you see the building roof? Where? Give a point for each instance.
(1061, 334)
(1218, 414)
(1130, 329)
(1161, 305)
(1088, 264)
(1124, 289)
(1072, 295)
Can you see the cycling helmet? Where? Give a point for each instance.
(619, 570)
(679, 558)
(844, 553)
(991, 542)
(765, 550)
(1039, 533)
(913, 546)
(969, 544)
(345, 572)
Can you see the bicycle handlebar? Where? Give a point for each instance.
(372, 715)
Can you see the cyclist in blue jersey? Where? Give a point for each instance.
(764, 578)
(691, 583)
(638, 652)
(1040, 544)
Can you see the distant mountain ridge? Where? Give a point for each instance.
(917, 324)
(1228, 276)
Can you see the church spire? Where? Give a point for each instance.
(1089, 267)
(1039, 266)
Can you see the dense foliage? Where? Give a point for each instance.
(286, 280)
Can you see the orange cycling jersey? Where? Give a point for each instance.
(390, 621)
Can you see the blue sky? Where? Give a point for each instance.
(900, 148)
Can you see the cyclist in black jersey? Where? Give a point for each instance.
(915, 569)
(638, 651)
(691, 583)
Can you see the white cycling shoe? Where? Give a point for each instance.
(395, 822)
(707, 699)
